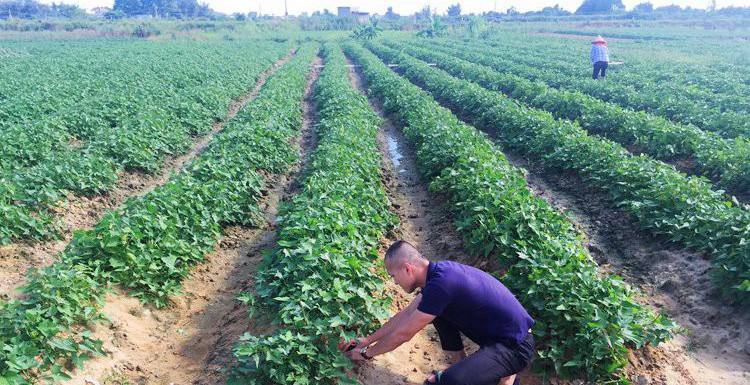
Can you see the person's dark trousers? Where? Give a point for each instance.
(487, 365)
(600, 69)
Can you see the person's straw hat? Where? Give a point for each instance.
(599, 40)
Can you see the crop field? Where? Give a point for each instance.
(215, 210)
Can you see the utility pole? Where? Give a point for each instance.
(286, 12)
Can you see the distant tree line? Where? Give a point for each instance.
(325, 20)
(30, 9)
(426, 18)
(161, 8)
(601, 7)
(591, 7)
(33, 9)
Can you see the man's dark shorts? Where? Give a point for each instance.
(486, 366)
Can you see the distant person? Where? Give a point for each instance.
(457, 299)
(599, 57)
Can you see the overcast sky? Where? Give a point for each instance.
(404, 7)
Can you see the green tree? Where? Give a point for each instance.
(673, 9)
(644, 8)
(425, 13)
(367, 31)
(114, 15)
(29, 9)
(389, 14)
(129, 7)
(476, 26)
(553, 11)
(454, 10)
(590, 7)
(67, 10)
(162, 8)
(434, 29)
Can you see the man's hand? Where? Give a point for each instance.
(354, 355)
(345, 346)
(359, 342)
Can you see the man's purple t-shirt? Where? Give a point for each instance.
(481, 307)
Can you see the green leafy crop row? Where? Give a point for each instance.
(321, 281)
(585, 321)
(149, 244)
(716, 83)
(664, 201)
(727, 161)
(658, 99)
(121, 112)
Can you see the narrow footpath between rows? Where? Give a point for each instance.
(424, 223)
(83, 213)
(190, 342)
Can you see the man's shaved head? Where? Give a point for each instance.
(406, 265)
(401, 251)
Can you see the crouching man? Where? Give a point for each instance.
(456, 299)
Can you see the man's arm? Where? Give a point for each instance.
(410, 325)
(392, 323)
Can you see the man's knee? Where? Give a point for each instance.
(455, 377)
(510, 380)
(450, 337)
